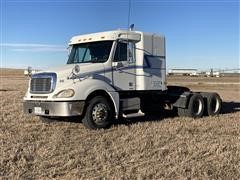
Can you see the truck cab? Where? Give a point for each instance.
(110, 65)
(107, 74)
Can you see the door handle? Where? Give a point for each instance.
(119, 66)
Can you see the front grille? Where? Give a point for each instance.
(43, 83)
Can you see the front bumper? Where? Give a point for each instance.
(54, 108)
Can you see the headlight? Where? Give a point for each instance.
(66, 93)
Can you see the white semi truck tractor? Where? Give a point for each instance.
(111, 74)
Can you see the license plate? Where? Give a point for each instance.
(38, 110)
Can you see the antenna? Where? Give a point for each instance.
(129, 13)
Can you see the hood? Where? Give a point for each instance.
(85, 68)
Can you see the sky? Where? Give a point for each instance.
(200, 34)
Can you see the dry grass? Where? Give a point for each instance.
(6, 72)
(145, 147)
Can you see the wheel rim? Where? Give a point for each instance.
(99, 113)
(215, 105)
(197, 107)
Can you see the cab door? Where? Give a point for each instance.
(123, 66)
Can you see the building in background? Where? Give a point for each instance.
(183, 72)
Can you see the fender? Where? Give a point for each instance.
(84, 88)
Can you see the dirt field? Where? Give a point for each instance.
(164, 147)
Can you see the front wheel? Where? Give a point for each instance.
(98, 114)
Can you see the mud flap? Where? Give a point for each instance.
(182, 100)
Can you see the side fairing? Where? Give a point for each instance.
(151, 63)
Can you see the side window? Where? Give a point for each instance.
(121, 52)
(131, 52)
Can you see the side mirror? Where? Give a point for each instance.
(75, 72)
(28, 72)
(76, 69)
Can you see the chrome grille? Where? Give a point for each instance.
(43, 83)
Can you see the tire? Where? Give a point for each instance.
(195, 107)
(99, 113)
(213, 103)
(181, 112)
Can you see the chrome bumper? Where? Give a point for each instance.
(54, 108)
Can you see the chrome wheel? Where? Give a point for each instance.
(215, 105)
(197, 107)
(99, 113)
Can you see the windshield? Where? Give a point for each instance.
(90, 52)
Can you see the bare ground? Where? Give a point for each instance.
(164, 147)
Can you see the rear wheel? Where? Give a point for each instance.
(98, 114)
(181, 112)
(213, 103)
(195, 107)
